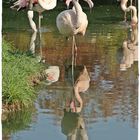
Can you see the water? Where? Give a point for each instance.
(110, 103)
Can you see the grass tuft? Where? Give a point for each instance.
(16, 70)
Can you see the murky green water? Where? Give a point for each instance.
(110, 103)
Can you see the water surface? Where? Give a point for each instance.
(110, 103)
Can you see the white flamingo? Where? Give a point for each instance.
(70, 23)
(133, 9)
(134, 18)
(130, 46)
(73, 21)
(124, 8)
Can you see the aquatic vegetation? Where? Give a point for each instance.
(16, 69)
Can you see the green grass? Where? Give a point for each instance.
(16, 69)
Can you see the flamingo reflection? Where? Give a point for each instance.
(130, 50)
(73, 126)
(52, 73)
(81, 85)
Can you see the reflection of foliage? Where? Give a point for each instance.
(69, 122)
(16, 121)
(16, 69)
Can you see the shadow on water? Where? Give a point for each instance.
(110, 103)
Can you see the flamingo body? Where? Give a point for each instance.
(73, 21)
(47, 4)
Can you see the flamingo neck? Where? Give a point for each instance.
(134, 19)
(124, 5)
(79, 11)
(90, 3)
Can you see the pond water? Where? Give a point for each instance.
(110, 110)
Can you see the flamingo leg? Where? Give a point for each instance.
(131, 3)
(125, 18)
(73, 45)
(40, 36)
(39, 20)
(32, 23)
(32, 43)
(30, 4)
(75, 53)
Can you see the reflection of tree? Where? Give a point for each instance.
(16, 121)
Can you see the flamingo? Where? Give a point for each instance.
(35, 5)
(134, 18)
(124, 7)
(131, 8)
(73, 21)
(70, 23)
(130, 46)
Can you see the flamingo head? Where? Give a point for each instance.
(67, 2)
(90, 3)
